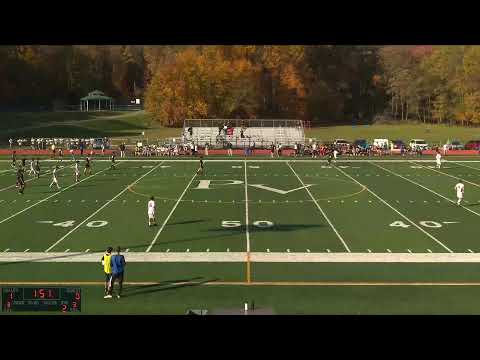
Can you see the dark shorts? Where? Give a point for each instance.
(108, 277)
(117, 276)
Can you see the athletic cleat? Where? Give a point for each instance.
(107, 297)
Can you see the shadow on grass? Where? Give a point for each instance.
(164, 286)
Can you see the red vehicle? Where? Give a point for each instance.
(473, 145)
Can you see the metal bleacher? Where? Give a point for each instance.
(260, 133)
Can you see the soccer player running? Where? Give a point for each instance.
(20, 180)
(112, 167)
(200, 169)
(77, 171)
(31, 172)
(54, 177)
(107, 268)
(118, 267)
(151, 212)
(14, 159)
(438, 159)
(87, 167)
(460, 189)
(37, 168)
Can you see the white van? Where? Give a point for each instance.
(381, 143)
(418, 144)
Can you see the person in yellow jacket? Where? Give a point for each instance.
(107, 267)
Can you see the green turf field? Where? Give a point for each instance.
(363, 236)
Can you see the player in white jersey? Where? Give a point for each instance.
(54, 177)
(438, 158)
(32, 169)
(460, 189)
(77, 171)
(151, 212)
(335, 153)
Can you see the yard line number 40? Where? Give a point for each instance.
(91, 224)
(425, 223)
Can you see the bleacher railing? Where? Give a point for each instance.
(220, 140)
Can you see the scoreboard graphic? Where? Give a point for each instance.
(61, 299)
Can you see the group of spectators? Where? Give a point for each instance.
(66, 143)
(168, 150)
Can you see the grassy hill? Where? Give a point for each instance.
(130, 125)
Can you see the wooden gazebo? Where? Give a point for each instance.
(96, 101)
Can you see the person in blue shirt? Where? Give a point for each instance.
(118, 267)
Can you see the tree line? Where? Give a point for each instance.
(324, 84)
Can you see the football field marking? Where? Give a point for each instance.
(99, 209)
(432, 191)
(319, 208)
(399, 213)
(247, 232)
(171, 213)
(49, 197)
(452, 176)
(470, 167)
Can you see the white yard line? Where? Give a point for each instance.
(267, 257)
(49, 197)
(319, 208)
(100, 209)
(470, 167)
(424, 187)
(454, 177)
(170, 214)
(397, 211)
(247, 232)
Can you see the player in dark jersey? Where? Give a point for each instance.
(200, 169)
(37, 168)
(87, 167)
(112, 167)
(20, 181)
(330, 158)
(23, 163)
(14, 159)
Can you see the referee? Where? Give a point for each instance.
(118, 268)
(107, 267)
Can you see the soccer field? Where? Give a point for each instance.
(264, 223)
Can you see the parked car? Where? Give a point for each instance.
(381, 143)
(399, 144)
(361, 143)
(472, 145)
(418, 144)
(455, 145)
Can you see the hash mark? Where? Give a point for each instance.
(410, 251)
(369, 250)
(228, 249)
(389, 250)
(87, 250)
(67, 250)
(6, 250)
(308, 250)
(288, 250)
(188, 250)
(429, 250)
(168, 250)
(27, 250)
(208, 250)
(470, 250)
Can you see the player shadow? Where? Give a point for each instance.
(164, 286)
(187, 222)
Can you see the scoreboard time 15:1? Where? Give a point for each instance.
(64, 299)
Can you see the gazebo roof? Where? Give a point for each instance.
(96, 95)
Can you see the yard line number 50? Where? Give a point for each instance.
(262, 224)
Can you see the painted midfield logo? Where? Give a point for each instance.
(212, 184)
